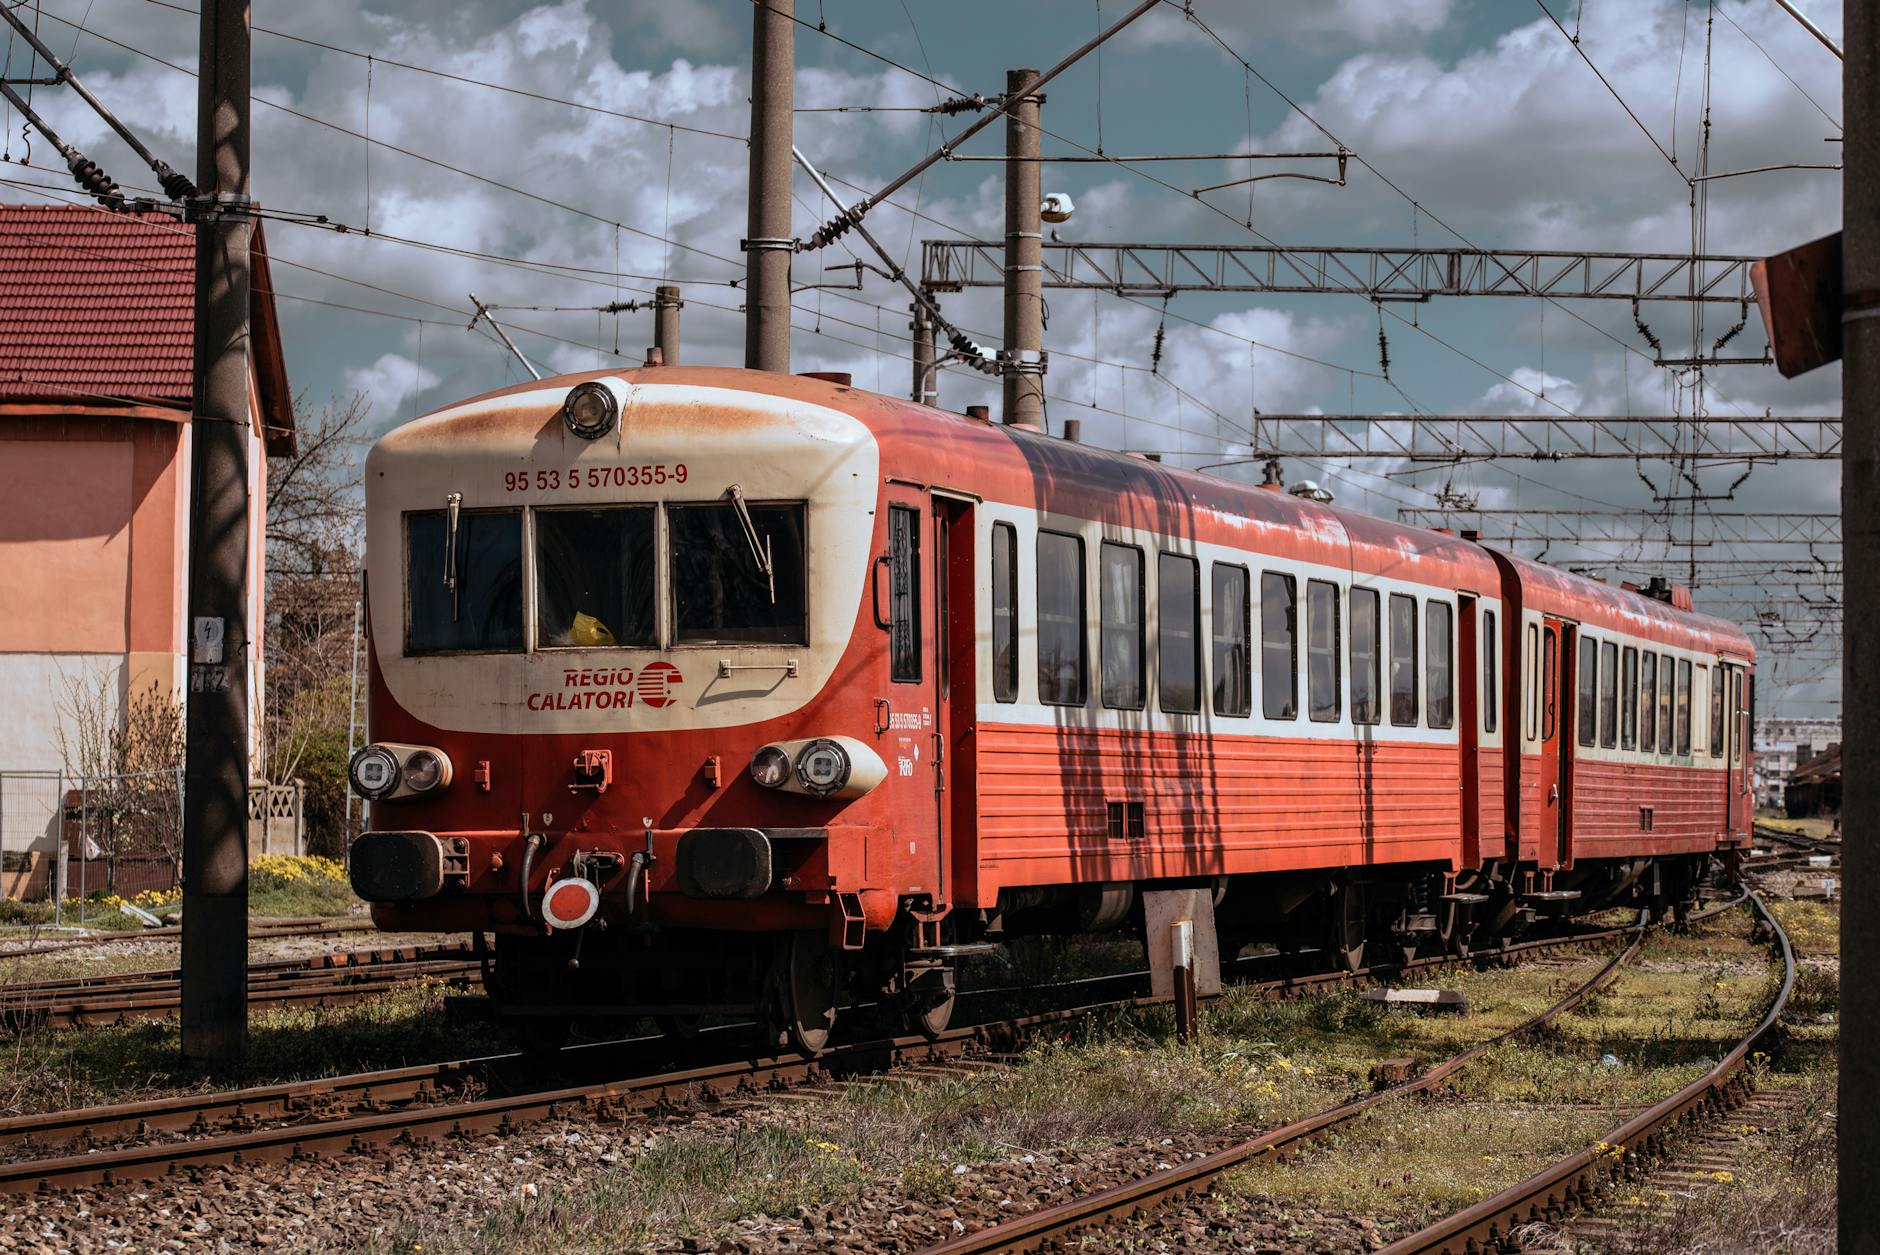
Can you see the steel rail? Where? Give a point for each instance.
(1033, 1231)
(348, 960)
(1575, 1182)
(387, 1093)
(313, 926)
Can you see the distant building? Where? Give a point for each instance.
(1780, 745)
(96, 371)
(1814, 787)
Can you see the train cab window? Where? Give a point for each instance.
(1403, 660)
(1628, 700)
(1004, 613)
(903, 594)
(1061, 641)
(1648, 704)
(1366, 658)
(1438, 667)
(1121, 605)
(1550, 682)
(739, 573)
(1735, 726)
(1587, 699)
(1178, 633)
(463, 592)
(594, 578)
(1665, 677)
(1491, 648)
(1233, 642)
(1716, 712)
(1533, 683)
(1608, 694)
(1684, 706)
(1279, 646)
(1322, 660)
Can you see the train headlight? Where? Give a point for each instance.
(374, 772)
(770, 767)
(426, 770)
(590, 410)
(822, 767)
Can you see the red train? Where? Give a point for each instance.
(708, 691)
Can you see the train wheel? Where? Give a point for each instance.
(802, 994)
(1348, 924)
(927, 1006)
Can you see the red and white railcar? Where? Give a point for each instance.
(714, 690)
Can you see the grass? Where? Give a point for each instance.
(280, 886)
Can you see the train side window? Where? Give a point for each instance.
(1700, 693)
(720, 592)
(1550, 682)
(1178, 633)
(594, 578)
(1628, 700)
(1439, 668)
(1716, 712)
(1533, 682)
(469, 600)
(1588, 689)
(1403, 660)
(1648, 704)
(1121, 610)
(1684, 706)
(903, 594)
(1365, 658)
(1736, 722)
(1322, 660)
(1233, 642)
(1666, 677)
(1608, 694)
(1061, 636)
(1004, 613)
(1490, 649)
(1279, 646)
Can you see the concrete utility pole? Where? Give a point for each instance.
(1859, 1145)
(1021, 361)
(926, 390)
(215, 793)
(666, 307)
(769, 243)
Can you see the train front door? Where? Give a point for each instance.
(1555, 687)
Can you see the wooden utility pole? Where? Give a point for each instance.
(1859, 1145)
(769, 244)
(215, 796)
(666, 307)
(1021, 361)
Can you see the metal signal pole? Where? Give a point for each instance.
(769, 243)
(666, 307)
(1021, 361)
(215, 794)
(1859, 1137)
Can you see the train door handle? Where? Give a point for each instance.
(1553, 794)
(874, 591)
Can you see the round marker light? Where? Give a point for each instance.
(426, 770)
(590, 410)
(770, 767)
(570, 903)
(822, 767)
(373, 772)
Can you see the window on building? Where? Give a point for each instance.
(1403, 660)
(1588, 712)
(1716, 712)
(1178, 633)
(903, 594)
(1438, 663)
(1666, 676)
(1121, 618)
(1648, 704)
(1279, 646)
(1628, 700)
(1233, 648)
(1608, 695)
(1004, 613)
(1061, 664)
(1366, 658)
(1491, 678)
(1684, 706)
(463, 594)
(720, 590)
(594, 578)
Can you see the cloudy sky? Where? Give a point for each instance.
(392, 119)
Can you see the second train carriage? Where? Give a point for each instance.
(713, 690)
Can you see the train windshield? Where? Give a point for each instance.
(464, 590)
(721, 591)
(594, 577)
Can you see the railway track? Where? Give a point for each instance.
(269, 930)
(1051, 1225)
(335, 1115)
(325, 980)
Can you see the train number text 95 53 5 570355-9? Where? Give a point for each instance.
(645, 474)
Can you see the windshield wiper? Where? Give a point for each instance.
(760, 546)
